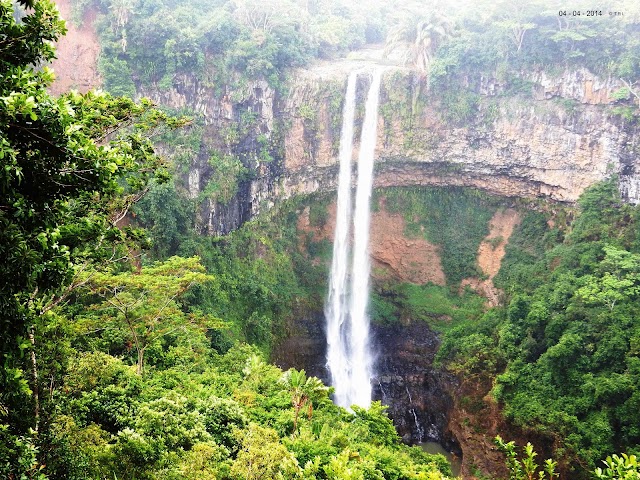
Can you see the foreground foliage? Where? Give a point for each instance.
(199, 414)
(524, 467)
(70, 168)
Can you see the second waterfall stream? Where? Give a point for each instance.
(349, 358)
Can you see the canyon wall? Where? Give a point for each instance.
(537, 135)
(552, 139)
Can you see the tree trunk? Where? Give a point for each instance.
(139, 368)
(34, 372)
(295, 419)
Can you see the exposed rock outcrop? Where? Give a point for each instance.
(418, 395)
(553, 138)
(77, 64)
(552, 141)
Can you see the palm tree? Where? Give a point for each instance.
(303, 391)
(417, 37)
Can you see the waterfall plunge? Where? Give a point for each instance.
(348, 356)
(336, 306)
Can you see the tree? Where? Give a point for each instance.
(122, 10)
(417, 36)
(514, 19)
(304, 391)
(145, 303)
(619, 279)
(267, 15)
(70, 168)
(262, 456)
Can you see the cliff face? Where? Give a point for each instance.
(549, 136)
(552, 139)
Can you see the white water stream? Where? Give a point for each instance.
(336, 308)
(348, 354)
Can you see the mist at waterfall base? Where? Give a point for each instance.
(349, 358)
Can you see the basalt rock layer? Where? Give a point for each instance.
(552, 140)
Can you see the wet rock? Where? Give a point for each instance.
(418, 394)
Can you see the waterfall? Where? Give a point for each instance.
(348, 355)
(360, 356)
(336, 305)
(419, 429)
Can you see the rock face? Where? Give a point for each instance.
(394, 256)
(552, 141)
(551, 137)
(418, 395)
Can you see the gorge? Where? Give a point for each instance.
(477, 178)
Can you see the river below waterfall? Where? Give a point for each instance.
(454, 460)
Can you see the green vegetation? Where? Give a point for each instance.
(224, 42)
(564, 347)
(259, 270)
(439, 306)
(418, 35)
(453, 218)
(71, 168)
(145, 304)
(617, 467)
(624, 467)
(198, 414)
(503, 38)
(223, 184)
(525, 468)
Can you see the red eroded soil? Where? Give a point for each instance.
(491, 252)
(399, 257)
(393, 254)
(77, 64)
